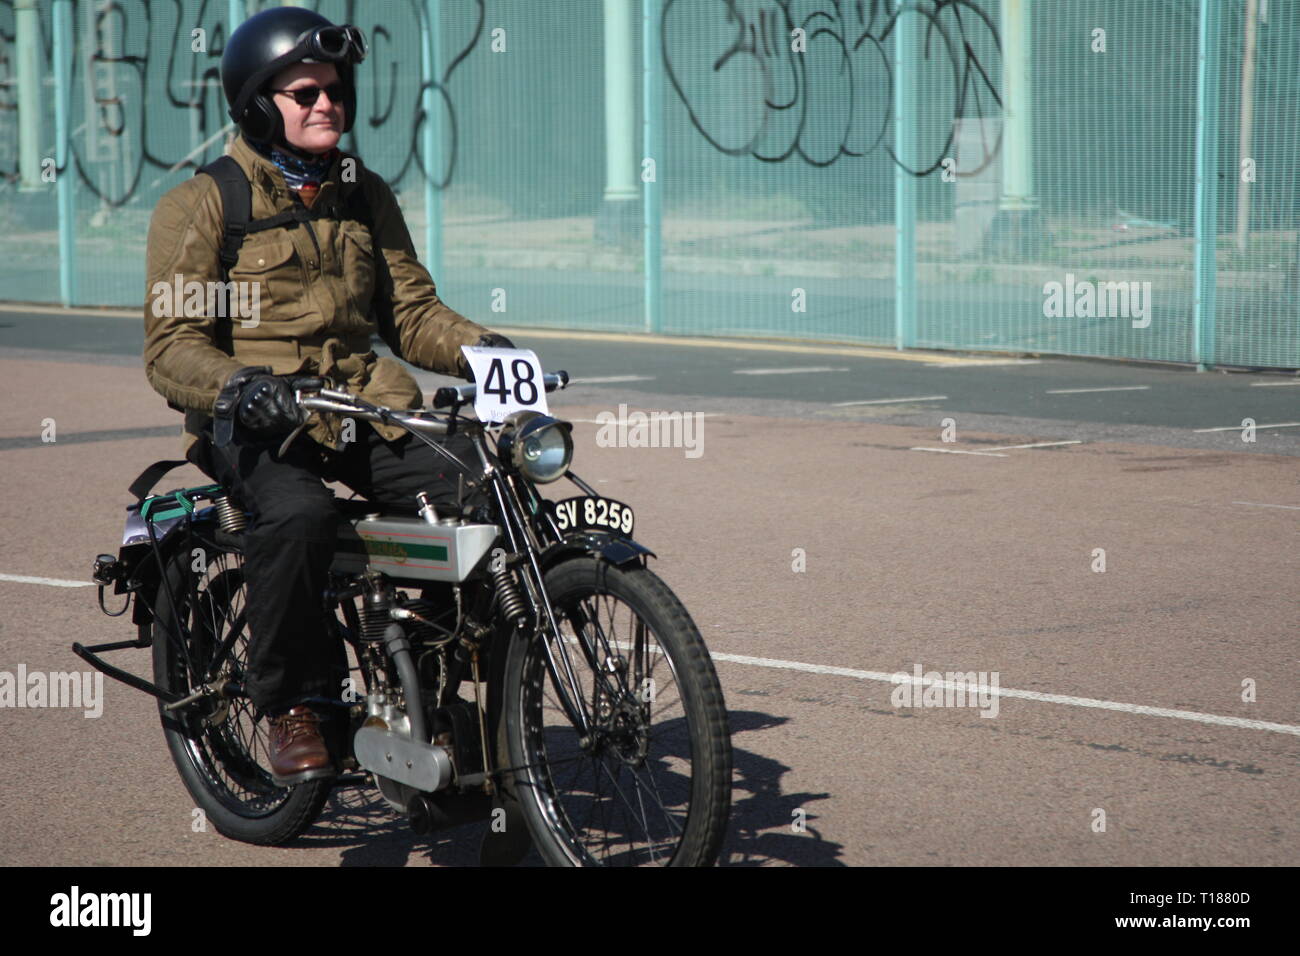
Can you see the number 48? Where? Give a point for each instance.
(523, 380)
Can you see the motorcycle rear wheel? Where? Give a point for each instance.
(222, 752)
(649, 781)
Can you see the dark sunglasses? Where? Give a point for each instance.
(308, 95)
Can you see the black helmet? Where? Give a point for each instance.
(269, 41)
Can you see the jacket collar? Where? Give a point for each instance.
(268, 181)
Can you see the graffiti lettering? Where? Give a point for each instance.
(751, 89)
(147, 104)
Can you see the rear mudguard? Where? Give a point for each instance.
(140, 571)
(164, 519)
(615, 549)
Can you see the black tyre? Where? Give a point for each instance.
(649, 781)
(222, 753)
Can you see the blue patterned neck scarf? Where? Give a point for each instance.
(297, 170)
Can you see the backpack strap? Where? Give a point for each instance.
(357, 207)
(141, 487)
(236, 205)
(381, 309)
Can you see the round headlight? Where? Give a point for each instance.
(537, 446)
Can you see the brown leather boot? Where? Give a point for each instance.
(298, 751)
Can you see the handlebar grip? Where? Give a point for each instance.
(444, 396)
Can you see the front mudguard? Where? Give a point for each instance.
(615, 549)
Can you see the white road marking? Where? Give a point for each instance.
(1272, 384)
(890, 401)
(1079, 391)
(614, 418)
(1256, 504)
(902, 677)
(610, 379)
(1142, 709)
(1237, 428)
(1039, 444)
(958, 451)
(785, 371)
(981, 362)
(52, 582)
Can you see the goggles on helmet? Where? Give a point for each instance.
(337, 44)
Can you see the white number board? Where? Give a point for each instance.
(508, 380)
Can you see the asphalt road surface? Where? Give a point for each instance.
(850, 514)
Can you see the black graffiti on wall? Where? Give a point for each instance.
(749, 90)
(146, 102)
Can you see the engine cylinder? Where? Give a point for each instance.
(374, 613)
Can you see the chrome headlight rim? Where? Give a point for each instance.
(513, 445)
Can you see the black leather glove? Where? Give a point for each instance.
(267, 408)
(490, 340)
(262, 403)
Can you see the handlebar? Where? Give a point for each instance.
(346, 403)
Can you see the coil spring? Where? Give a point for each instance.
(230, 516)
(513, 606)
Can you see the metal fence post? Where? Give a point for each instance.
(27, 49)
(652, 104)
(905, 35)
(65, 187)
(431, 64)
(617, 221)
(1207, 183)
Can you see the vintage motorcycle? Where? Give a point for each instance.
(519, 662)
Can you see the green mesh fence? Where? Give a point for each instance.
(1051, 148)
(1097, 259)
(1258, 313)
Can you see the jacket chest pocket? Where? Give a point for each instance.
(269, 274)
(358, 257)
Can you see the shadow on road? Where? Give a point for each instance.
(763, 818)
(367, 832)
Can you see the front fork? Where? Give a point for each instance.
(522, 544)
(559, 665)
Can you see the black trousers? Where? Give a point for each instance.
(290, 539)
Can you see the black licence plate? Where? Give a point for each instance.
(588, 512)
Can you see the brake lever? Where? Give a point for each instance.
(290, 440)
(314, 384)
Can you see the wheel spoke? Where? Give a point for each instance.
(231, 756)
(628, 804)
(641, 727)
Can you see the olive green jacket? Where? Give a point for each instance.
(306, 296)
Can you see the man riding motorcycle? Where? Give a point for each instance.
(328, 260)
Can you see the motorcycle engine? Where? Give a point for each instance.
(454, 726)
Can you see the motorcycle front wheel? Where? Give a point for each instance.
(219, 748)
(617, 731)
